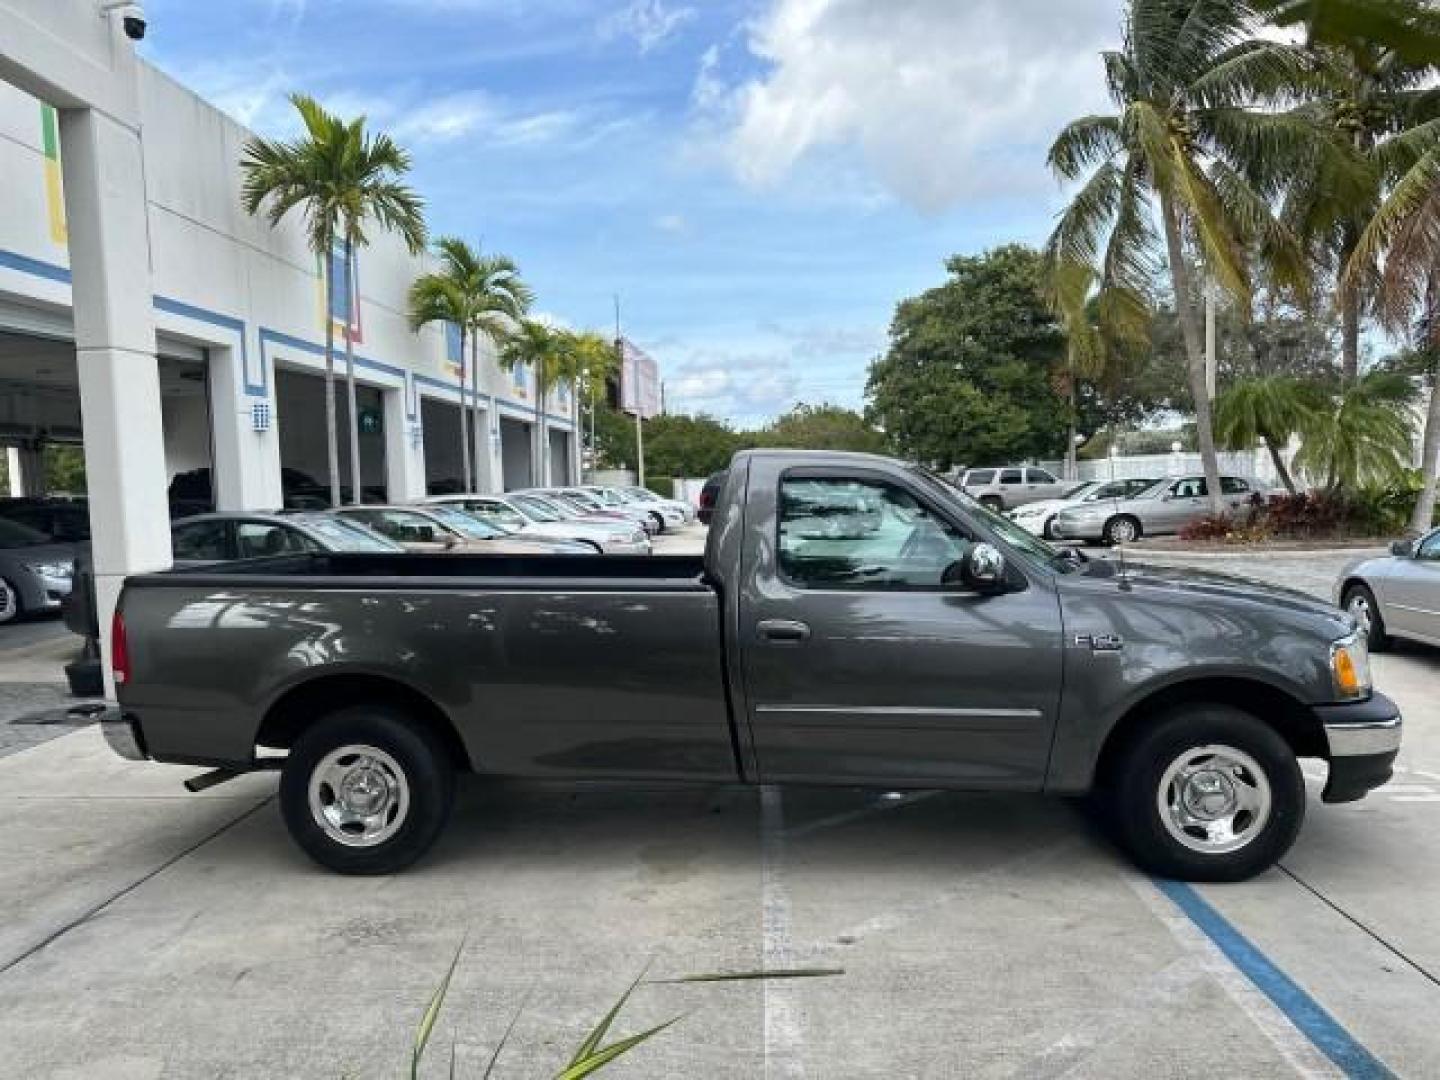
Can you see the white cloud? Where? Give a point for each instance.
(649, 22)
(942, 99)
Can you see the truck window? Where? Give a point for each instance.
(254, 539)
(1039, 476)
(978, 477)
(201, 541)
(1233, 485)
(1009, 476)
(840, 533)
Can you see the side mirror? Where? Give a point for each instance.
(1403, 549)
(981, 569)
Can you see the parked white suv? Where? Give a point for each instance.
(1011, 486)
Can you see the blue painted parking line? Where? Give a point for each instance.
(1300, 1008)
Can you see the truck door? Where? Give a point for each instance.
(861, 666)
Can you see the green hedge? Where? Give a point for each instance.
(664, 486)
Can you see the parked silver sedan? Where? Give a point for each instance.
(1163, 508)
(1396, 595)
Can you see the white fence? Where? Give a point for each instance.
(1254, 465)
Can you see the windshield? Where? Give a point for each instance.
(14, 535)
(338, 535)
(1152, 491)
(1080, 491)
(463, 523)
(498, 514)
(1013, 535)
(537, 508)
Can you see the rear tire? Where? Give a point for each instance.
(11, 610)
(992, 503)
(366, 790)
(1208, 793)
(1047, 531)
(1360, 602)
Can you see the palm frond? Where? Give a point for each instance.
(1082, 143)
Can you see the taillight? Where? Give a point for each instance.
(119, 650)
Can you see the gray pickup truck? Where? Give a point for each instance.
(854, 621)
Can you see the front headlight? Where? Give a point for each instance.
(1350, 666)
(51, 569)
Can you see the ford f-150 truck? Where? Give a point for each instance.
(853, 621)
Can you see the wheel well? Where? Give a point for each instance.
(302, 705)
(1294, 722)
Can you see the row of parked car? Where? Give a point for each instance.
(41, 540)
(1110, 511)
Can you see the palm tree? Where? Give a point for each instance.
(1361, 436)
(1185, 141)
(484, 296)
(1405, 234)
(1091, 342)
(434, 297)
(1272, 408)
(597, 361)
(552, 357)
(344, 178)
(1372, 102)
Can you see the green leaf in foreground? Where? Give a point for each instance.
(597, 1060)
(432, 1014)
(597, 1036)
(490, 1066)
(744, 976)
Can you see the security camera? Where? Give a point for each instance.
(132, 17)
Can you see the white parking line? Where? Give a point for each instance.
(782, 1035)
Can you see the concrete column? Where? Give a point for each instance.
(246, 468)
(14, 478)
(404, 455)
(483, 452)
(115, 352)
(492, 477)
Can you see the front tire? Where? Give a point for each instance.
(992, 503)
(1360, 602)
(1208, 793)
(1122, 530)
(366, 790)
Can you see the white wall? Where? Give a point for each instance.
(230, 283)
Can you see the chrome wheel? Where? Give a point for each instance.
(1121, 531)
(1214, 799)
(1359, 608)
(9, 602)
(359, 795)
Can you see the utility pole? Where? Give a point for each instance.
(635, 391)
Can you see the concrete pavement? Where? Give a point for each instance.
(153, 933)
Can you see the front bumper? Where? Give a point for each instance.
(1363, 738)
(123, 734)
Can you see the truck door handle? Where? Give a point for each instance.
(785, 631)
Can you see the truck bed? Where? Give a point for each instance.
(681, 573)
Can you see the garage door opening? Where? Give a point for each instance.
(560, 457)
(444, 456)
(516, 444)
(42, 430)
(300, 420)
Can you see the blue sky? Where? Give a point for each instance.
(759, 180)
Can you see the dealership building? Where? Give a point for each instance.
(145, 316)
